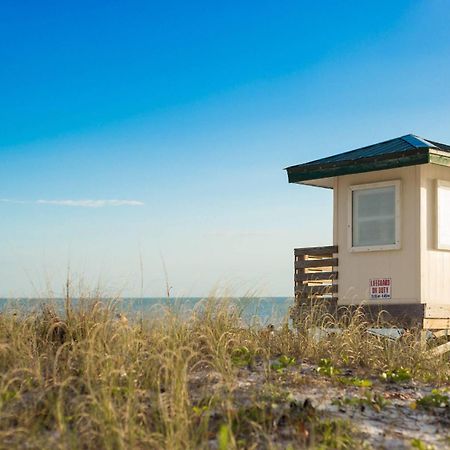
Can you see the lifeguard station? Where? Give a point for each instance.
(391, 231)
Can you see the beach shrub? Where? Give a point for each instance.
(282, 363)
(436, 399)
(327, 368)
(400, 375)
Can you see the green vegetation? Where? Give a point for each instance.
(87, 378)
(355, 381)
(436, 399)
(420, 445)
(326, 368)
(400, 375)
(335, 434)
(242, 357)
(282, 363)
(376, 401)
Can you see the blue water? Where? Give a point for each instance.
(263, 310)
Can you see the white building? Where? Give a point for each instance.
(391, 230)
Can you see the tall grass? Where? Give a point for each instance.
(88, 378)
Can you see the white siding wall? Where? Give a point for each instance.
(357, 268)
(435, 264)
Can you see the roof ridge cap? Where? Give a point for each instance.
(417, 141)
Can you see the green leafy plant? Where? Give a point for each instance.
(436, 399)
(199, 410)
(326, 368)
(375, 401)
(224, 437)
(335, 434)
(282, 363)
(346, 401)
(400, 375)
(420, 445)
(355, 381)
(242, 357)
(8, 395)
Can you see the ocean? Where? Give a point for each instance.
(263, 310)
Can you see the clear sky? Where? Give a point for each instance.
(156, 132)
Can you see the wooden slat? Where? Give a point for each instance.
(307, 301)
(328, 262)
(314, 268)
(314, 290)
(441, 333)
(438, 311)
(316, 251)
(313, 276)
(436, 324)
(323, 301)
(300, 301)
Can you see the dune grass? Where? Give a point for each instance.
(87, 378)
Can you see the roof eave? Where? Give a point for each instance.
(306, 172)
(440, 158)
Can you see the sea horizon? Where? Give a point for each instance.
(263, 309)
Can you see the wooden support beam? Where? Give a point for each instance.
(316, 251)
(319, 290)
(437, 310)
(441, 333)
(328, 262)
(436, 324)
(313, 276)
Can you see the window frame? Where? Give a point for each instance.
(439, 245)
(374, 248)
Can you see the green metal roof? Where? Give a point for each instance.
(403, 151)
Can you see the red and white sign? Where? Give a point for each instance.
(380, 288)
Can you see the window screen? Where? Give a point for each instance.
(373, 216)
(443, 205)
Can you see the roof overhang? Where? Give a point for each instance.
(439, 157)
(307, 173)
(327, 183)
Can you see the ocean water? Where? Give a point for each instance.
(262, 310)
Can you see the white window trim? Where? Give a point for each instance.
(439, 245)
(374, 248)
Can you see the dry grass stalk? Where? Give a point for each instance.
(86, 378)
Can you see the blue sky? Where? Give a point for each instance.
(158, 131)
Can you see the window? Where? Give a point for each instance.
(443, 215)
(374, 216)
